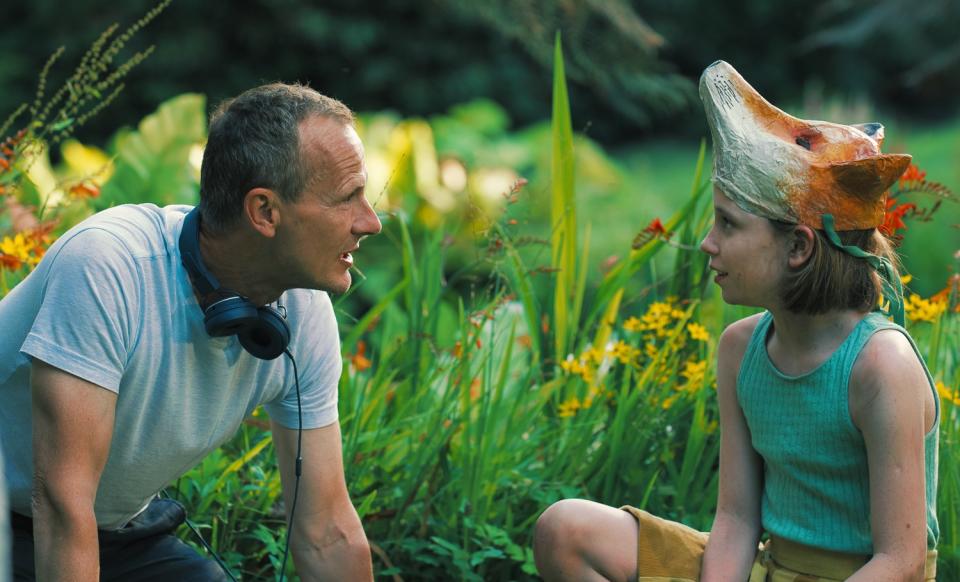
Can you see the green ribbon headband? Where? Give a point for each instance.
(892, 288)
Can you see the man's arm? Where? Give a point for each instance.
(328, 541)
(736, 528)
(892, 404)
(72, 430)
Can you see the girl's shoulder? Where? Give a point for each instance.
(733, 345)
(887, 368)
(887, 353)
(737, 335)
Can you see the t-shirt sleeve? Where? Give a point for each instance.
(90, 308)
(315, 344)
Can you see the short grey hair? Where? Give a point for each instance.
(254, 142)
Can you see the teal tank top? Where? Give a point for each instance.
(816, 485)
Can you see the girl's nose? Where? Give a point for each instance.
(708, 246)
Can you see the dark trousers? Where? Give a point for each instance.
(144, 551)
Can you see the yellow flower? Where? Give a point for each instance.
(592, 354)
(577, 368)
(633, 324)
(668, 402)
(651, 350)
(698, 332)
(569, 408)
(947, 395)
(624, 352)
(694, 372)
(17, 246)
(570, 365)
(920, 309)
(22, 249)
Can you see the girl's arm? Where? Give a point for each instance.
(736, 528)
(892, 404)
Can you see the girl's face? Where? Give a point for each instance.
(749, 256)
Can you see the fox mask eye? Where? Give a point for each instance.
(803, 142)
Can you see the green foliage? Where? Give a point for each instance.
(154, 162)
(94, 84)
(232, 499)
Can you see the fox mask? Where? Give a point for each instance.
(783, 168)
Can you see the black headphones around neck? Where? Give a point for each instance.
(262, 331)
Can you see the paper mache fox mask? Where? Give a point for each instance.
(783, 168)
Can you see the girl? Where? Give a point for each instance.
(829, 416)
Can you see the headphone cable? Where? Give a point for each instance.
(299, 464)
(203, 542)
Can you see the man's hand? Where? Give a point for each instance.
(328, 541)
(72, 430)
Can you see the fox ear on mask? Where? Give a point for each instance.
(874, 130)
(870, 177)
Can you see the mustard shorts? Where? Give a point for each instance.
(668, 551)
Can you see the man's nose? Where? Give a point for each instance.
(369, 222)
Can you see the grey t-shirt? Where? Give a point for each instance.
(112, 304)
(5, 566)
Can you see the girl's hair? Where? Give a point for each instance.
(832, 279)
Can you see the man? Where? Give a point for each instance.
(110, 338)
(4, 527)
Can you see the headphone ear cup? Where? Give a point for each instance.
(229, 316)
(268, 336)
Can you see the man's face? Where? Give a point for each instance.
(325, 225)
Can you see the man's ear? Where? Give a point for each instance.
(261, 209)
(801, 245)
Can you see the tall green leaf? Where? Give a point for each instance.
(563, 211)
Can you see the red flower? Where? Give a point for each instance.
(912, 174)
(652, 231)
(893, 218)
(656, 228)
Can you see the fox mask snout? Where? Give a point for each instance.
(780, 167)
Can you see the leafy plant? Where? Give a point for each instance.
(52, 120)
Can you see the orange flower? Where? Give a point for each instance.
(85, 190)
(912, 174)
(475, 389)
(359, 361)
(952, 288)
(893, 218)
(9, 262)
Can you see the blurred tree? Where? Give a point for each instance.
(917, 42)
(633, 64)
(608, 46)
